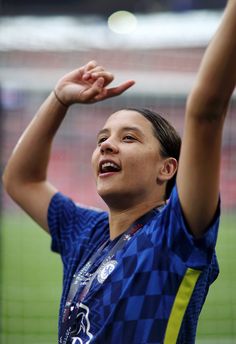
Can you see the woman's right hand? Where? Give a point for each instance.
(88, 84)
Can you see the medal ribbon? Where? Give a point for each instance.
(75, 296)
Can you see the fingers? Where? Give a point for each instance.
(97, 92)
(91, 72)
(90, 65)
(98, 72)
(115, 91)
(79, 73)
(122, 88)
(87, 69)
(88, 84)
(89, 95)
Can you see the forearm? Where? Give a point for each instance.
(29, 160)
(25, 176)
(199, 164)
(217, 75)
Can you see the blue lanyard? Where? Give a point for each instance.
(82, 279)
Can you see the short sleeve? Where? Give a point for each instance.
(72, 225)
(195, 253)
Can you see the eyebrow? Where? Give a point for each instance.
(107, 131)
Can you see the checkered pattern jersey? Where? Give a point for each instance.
(158, 287)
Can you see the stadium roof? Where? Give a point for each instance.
(65, 33)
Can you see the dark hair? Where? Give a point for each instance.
(168, 137)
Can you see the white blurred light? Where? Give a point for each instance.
(122, 22)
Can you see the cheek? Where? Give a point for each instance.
(94, 160)
(143, 165)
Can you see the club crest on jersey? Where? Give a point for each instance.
(105, 270)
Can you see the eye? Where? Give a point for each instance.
(129, 138)
(101, 140)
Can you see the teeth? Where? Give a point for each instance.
(109, 165)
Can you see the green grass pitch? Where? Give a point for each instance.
(31, 279)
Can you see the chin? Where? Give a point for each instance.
(117, 199)
(110, 195)
(108, 189)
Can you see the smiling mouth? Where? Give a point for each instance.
(108, 167)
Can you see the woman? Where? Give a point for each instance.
(140, 273)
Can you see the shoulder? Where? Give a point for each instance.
(169, 230)
(72, 224)
(66, 209)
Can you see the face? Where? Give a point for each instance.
(127, 159)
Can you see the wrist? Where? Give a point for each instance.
(59, 99)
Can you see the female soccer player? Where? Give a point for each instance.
(139, 273)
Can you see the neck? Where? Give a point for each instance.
(121, 220)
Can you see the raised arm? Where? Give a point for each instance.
(199, 166)
(25, 176)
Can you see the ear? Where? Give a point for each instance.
(167, 170)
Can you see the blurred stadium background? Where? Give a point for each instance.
(39, 42)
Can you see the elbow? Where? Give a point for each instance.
(12, 184)
(5, 180)
(8, 183)
(17, 183)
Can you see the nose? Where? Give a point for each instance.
(108, 146)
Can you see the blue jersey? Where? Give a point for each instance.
(159, 282)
